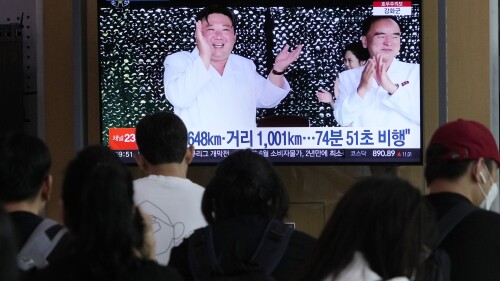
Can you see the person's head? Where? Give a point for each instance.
(465, 153)
(74, 182)
(162, 139)
(381, 35)
(8, 266)
(355, 55)
(107, 226)
(384, 218)
(245, 183)
(24, 169)
(219, 30)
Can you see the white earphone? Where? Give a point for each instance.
(481, 175)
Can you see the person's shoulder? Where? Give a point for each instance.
(177, 181)
(186, 185)
(195, 185)
(140, 182)
(143, 179)
(150, 180)
(481, 214)
(146, 187)
(483, 225)
(63, 247)
(172, 182)
(25, 220)
(295, 259)
(407, 64)
(181, 55)
(355, 72)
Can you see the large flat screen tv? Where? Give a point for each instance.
(135, 37)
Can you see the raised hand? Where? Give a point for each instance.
(285, 58)
(324, 96)
(366, 77)
(202, 45)
(381, 75)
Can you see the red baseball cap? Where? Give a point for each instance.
(465, 140)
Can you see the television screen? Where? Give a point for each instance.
(326, 112)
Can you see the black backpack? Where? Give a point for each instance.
(438, 263)
(205, 266)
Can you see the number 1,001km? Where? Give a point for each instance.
(277, 138)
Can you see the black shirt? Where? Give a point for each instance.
(474, 244)
(243, 235)
(25, 223)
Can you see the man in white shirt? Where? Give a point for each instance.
(173, 201)
(385, 92)
(212, 88)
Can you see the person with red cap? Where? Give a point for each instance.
(462, 160)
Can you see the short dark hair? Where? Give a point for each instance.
(24, 164)
(436, 168)
(369, 21)
(386, 219)
(358, 50)
(245, 183)
(215, 9)
(162, 138)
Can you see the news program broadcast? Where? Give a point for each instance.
(297, 82)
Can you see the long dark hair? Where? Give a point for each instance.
(110, 229)
(358, 50)
(384, 218)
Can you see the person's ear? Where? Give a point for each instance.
(188, 157)
(477, 171)
(141, 162)
(46, 188)
(364, 41)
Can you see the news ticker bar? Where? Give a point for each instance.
(286, 138)
(210, 156)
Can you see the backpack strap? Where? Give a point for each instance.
(37, 248)
(438, 263)
(452, 218)
(272, 246)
